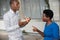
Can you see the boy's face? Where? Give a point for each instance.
(44, 18)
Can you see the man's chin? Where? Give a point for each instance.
(17, 9)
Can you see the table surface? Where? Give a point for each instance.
(29, 36)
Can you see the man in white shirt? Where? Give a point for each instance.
(12, 23)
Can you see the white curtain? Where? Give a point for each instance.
(4, 7)
(33, 8)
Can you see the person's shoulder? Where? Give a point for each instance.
(6, 14)
(55, 24)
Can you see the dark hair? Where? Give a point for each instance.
(11, 1)
(48, 13)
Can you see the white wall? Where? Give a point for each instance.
(54, 5)
(2, 25)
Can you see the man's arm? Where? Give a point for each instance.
(22, 24)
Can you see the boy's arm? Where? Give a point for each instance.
(36, 30)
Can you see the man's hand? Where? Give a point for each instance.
(23, 23)
(35, 29)
(28, 19)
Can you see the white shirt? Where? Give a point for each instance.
(11, 25)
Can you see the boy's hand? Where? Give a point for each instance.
(35, 29)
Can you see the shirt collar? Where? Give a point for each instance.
(50, 23)
(13, 11)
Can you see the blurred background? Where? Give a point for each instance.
(33, 9)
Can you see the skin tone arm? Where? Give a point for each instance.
(22, 24)
(36, 30)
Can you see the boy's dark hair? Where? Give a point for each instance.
(48, 13)
(11, 1)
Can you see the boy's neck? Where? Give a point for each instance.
(48, 22)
